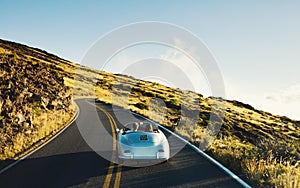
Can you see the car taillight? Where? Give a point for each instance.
(127, 151)
(161, 150)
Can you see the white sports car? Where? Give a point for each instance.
(142, 141)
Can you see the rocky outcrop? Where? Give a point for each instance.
(28, 89)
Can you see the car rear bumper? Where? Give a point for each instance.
(139, 162)
(139, 155)
(134, 157)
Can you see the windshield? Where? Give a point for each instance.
(141, 127)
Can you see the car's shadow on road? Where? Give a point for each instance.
(61, 170)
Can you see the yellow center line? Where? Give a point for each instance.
(108, 175)
(112, 165)
(118, 176)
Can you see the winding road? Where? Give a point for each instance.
(70, 161)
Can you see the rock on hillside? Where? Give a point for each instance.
(28, 89)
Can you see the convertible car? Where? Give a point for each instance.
(142, 141)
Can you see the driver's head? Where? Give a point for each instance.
(149, 127)
(135, 126)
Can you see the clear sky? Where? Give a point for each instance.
(256, 43)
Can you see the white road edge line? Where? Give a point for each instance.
(238, 179)
(61, 131)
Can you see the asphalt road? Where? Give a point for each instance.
(70, 161)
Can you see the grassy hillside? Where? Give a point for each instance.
(263, 147)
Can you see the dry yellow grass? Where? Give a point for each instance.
(50, 123)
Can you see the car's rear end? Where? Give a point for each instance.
(143, 147)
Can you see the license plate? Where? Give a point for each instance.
(143, 137)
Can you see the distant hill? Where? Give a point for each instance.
(261, 146)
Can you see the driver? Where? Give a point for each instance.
(149, 128)
(135, 127)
